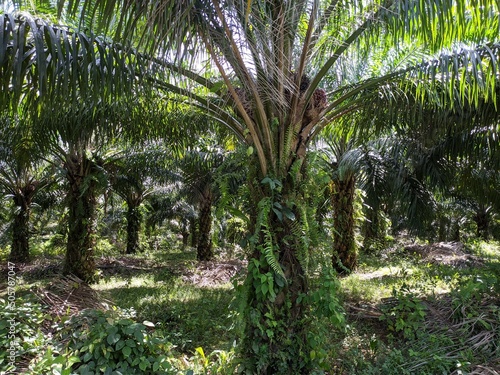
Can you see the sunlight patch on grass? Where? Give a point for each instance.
(360, 289)
(189, 314)
(374, 284)
(115, 282)
(381, 272)
(489, 250)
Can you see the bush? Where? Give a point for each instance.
(108, 343)
(20, 323)
(407, 315)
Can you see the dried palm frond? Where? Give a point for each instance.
(481, 370)
(479, 333)
(68, 295)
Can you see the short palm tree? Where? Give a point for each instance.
(476, 183)
(22, 176)
(169, 204)
(134, 175)
(342, 166)
(202, 168)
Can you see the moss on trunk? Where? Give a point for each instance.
(79, 259)
(345, 256)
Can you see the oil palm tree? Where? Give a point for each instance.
(203, 169)
(476, 184)
(134, 175)
(81, 142)
(169, 204)
(405, 172)
(262, 65)
(69, 94)
(343, 167)
(424, 159)
(391, 172)
(22, 176)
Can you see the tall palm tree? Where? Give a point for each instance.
(60, 113)
(269, 59)
(68, 89)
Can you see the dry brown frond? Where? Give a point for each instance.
(481, 370)
(449, 253)
(68, 295)
(214, 273)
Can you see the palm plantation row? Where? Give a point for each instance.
(400, 96)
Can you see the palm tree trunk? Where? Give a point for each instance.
(134, 218)
(345, 257)
(19, 251)
(276, 327)
(482, 220)
(371, 228)
(193, 224)
(79, 259)
(204, 250)
(374, 228)
(184, 234)
(443, 227)
(455, 230)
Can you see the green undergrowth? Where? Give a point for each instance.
(191, 316)
(405, 314)
(112, 342)
(414, 316)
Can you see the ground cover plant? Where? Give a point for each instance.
(410, 309)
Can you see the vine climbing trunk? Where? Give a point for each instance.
(345, 257)
(79, 259)
(204, 250)
(134, 219)
(19, 252)
(275, 338)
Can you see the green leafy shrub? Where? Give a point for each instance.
(407, 315)
(218, 362)
(108, 343)
(53, 363)
(328, 312)
(469, 295)
(20, 322)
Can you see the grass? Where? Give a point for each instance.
(191, 316)
(486, 250)
(160, 287)
(458, 306)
